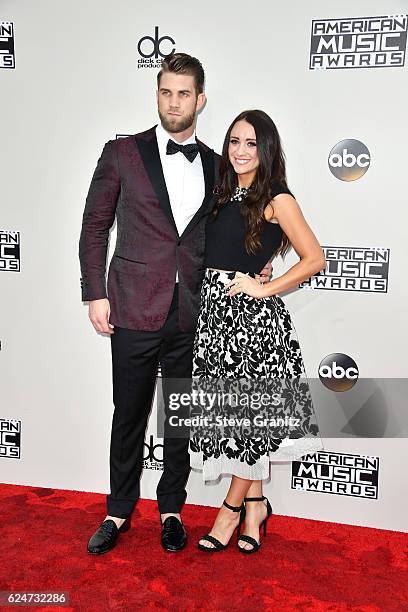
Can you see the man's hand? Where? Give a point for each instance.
(99, 311)
(265, 274)
(242, 283)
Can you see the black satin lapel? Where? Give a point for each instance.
(207, 159)
(149, 152)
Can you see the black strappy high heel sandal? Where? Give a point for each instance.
(217, 545)
(244, 538)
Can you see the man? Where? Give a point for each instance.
(159, 185)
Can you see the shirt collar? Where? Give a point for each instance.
(163, 137)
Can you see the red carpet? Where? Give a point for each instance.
(303, 565)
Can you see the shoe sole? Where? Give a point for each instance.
(175, 550)
(102, 552)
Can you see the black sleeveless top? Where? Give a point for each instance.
(225, 239)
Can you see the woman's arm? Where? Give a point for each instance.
(288, 214)
(290, 217)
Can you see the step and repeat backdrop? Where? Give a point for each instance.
(333, 77)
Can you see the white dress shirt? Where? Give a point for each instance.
(184, 180)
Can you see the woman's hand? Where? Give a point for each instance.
(242, 283)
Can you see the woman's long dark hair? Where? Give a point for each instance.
(271, 168)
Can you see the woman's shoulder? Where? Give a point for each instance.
(278, 187)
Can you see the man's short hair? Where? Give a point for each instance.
(182, 63)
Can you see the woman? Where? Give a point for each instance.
(244, 331)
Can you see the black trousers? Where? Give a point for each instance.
(135, 357)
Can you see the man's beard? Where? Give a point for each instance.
(178, 124)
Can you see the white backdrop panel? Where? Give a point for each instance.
(76, 85)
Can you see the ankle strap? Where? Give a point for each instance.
(233, 508)
(249, 499)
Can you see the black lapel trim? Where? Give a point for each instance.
(208, 161)
(149, 152)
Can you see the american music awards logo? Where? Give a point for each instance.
(337, 473)
(7, 59)
(152, 49)
(352, 269)
(358, 42)
(10, 438)
(9, 251)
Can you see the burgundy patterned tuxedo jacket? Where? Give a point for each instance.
(129, 184)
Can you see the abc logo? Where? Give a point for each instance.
(152, 451)
(338, 372)
(349, 160)
(153, 47)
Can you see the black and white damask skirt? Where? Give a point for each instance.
(252, 398)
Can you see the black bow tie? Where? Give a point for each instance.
(189, 150)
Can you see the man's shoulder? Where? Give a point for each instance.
(204, 146)
(123, 140)
(208, 149)
(124, 144)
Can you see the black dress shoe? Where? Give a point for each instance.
(174, 536)
(105, 536)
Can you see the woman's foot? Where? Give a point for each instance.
(223, 528)
(256, 513)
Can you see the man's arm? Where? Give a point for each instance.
(98, 218)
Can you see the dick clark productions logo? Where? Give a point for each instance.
(152, 50)
(153, 454)
(349, 160)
